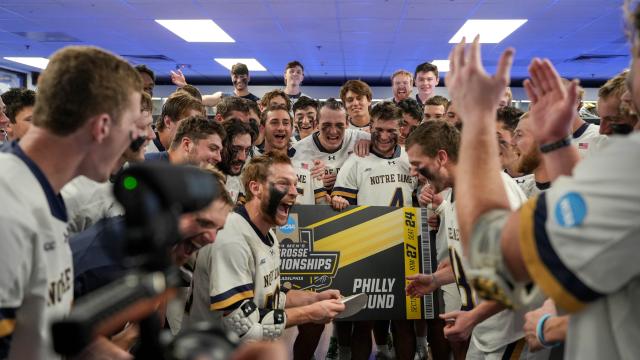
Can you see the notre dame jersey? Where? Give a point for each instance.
(309, 149)
(241, 264)
(377, 181)
(310, 190)
(504, 327)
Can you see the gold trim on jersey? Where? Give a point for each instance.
(7, 326)
(539, 272)
(232, 300)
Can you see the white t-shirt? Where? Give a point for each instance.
(36, 265)
(580, 245)
(588, 139)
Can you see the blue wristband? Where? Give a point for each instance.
(540, 332)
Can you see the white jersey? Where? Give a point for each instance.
(377, 181)
(504, 327)
(235, 187)
(588, 139)
(88, 202)
(587, 229)
(240, 265)
(311, 191)
(36, 265)
(309, 149)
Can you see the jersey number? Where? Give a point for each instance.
(398, 199)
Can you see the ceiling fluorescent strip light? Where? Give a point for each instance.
(490, 31)
(37, 62)
(252, 64)
(197, 30)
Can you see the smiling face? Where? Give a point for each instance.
(205, 151)
(401, 85)
(240, 149)
(357, 105)
(278, 193)
(426, 81)
(199, 229)
(384, 136)
(306, 121)
(240, 82)
(293, 76)
(430, 168)
(332, 125)
(277, 130)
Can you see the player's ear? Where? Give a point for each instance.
(255, 188)
(443, 156)
(100, 126)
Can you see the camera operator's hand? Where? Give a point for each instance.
(324, 311)
(328, 295)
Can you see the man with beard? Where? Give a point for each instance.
(381, 178)
(237, 279)
(411, 118)
(356, 96)
(486, 328)
(530, 159)
(239, 78)
(401, 85)
(236, 149)
(305, 114)
(198, 141)
(426, 78)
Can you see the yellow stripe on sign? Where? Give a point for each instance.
(411, 258)
(333, 218)
(7, 326)
(364, 240)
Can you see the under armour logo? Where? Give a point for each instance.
(391, 162)
(331, 157)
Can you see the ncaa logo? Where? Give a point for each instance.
(290, 226)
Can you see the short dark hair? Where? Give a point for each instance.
(426, 67)
(437, 100)
(305, 102)
(293, 64)
(265, 113)
(411, 107)
(144, 69)
(433, 136)
(509, 116)
(17, 99)
(197, 128)
(232, 103)
(358, 87)
(253, 106)
(385, 111)
(239, 69)
(266, 98)
(233, 128)
(332, 104)
(191, 90)
(176, 106)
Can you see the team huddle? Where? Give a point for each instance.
(534, 214)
